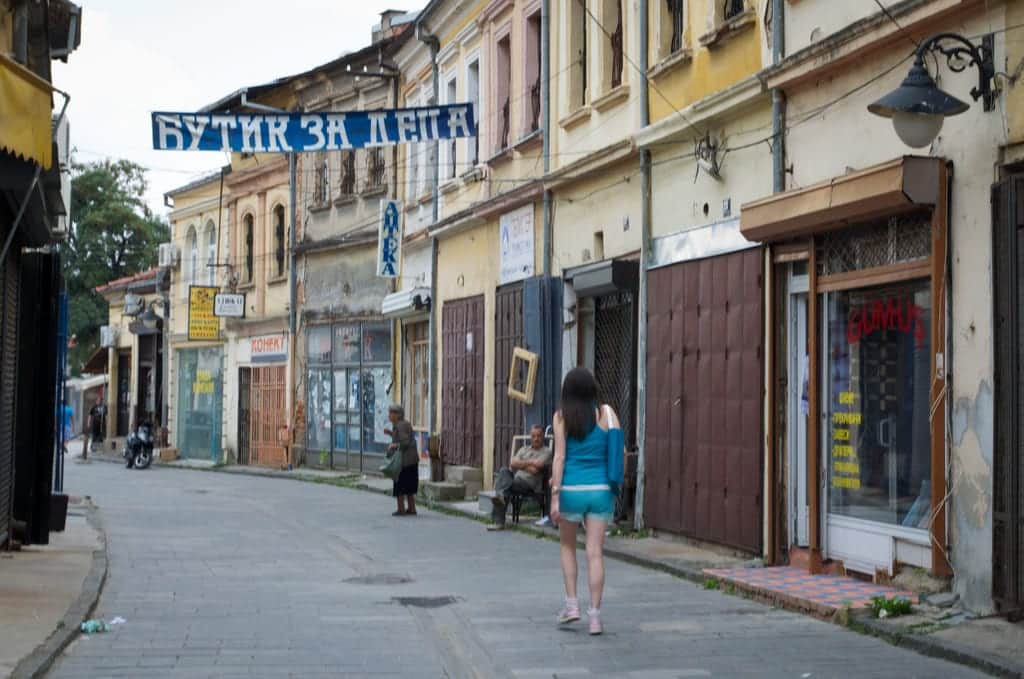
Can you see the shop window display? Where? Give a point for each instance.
(878, 434)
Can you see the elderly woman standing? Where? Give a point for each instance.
(408, 480)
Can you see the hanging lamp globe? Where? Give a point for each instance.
(918, 107)
(149, 319)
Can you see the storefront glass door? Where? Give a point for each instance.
(200, 396)
(797, 409)
(876, 436)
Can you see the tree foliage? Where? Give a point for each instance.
(113, 234)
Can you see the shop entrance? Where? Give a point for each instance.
(266, 416)
(797, 408)
(508, 413)
(124, 392)
(704, 446)
(1008, 463)
(462, 396)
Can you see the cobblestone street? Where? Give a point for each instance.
(227, 575)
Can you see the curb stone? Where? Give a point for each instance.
(42, 658)
(937, 648)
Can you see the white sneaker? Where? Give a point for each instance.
(544, 522)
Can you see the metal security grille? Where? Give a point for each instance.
(615, 356)
(267, 416)
(8, 386)
(895, 240)
(508, 413)
(1008, 462)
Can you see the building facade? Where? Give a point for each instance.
(35, 189)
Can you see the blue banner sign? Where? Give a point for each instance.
(285, 132)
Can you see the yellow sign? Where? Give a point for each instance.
(202, 323)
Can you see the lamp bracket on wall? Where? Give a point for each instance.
(708, 158)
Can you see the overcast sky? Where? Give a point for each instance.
(179, 55)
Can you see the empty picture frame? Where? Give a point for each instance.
(522, 392)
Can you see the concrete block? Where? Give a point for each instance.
(484, 500)
(167, 454)
(473, 489)
(443, 491)
(464, 474)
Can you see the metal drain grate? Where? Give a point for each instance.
(379, 579)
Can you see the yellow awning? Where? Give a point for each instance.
(25, 107)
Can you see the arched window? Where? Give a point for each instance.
(279, 246)
(193, 255)
(211, 253)
(248, 233)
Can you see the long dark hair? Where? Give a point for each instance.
(579, 396)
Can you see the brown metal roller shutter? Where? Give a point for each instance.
(8, 387)
(704, 398)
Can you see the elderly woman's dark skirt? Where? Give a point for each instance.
(408, 481)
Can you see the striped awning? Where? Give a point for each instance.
(25, 107)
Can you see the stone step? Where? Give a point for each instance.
(467, 475)
(473, 489)
(443, 491)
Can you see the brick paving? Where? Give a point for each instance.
(222, 575)
(828, 592)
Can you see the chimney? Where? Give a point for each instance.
(385, 29)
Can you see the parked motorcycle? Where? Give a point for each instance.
(138, 448)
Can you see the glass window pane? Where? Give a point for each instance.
(346, 344)
(318, 426)
(376, 342)
(878, 436)
(375, 385)
(318, 344)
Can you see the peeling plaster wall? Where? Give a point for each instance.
(344, 283)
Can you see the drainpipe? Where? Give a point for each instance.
(545, 69)
(645, 253)
(435, 46)
(778, 99)
(778, 186)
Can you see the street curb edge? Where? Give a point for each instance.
(37, 663)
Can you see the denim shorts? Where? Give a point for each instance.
(577, 503)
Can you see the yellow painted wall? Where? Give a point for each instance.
(467, 266)
(713, 68)
(6, 27)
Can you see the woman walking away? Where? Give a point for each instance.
(581, 489)
(408, 481)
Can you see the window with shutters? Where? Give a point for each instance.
(279, 242)
(248, 244)
(347, 185)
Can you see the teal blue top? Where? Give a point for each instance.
(586, 461)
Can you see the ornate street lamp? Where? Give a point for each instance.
(918, 107)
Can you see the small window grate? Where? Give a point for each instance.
(894, 240)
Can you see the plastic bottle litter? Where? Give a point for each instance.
(94, 627)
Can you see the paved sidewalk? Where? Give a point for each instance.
(40, 590)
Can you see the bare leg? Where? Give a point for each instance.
(401, 504)
(567, 538)
(412, 504)
(595, 560)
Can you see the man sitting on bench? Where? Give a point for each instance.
(524, 474)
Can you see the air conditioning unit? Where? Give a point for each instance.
(108, 335)
(133, 304)
(169, 256)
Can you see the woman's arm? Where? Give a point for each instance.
(558, 464)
